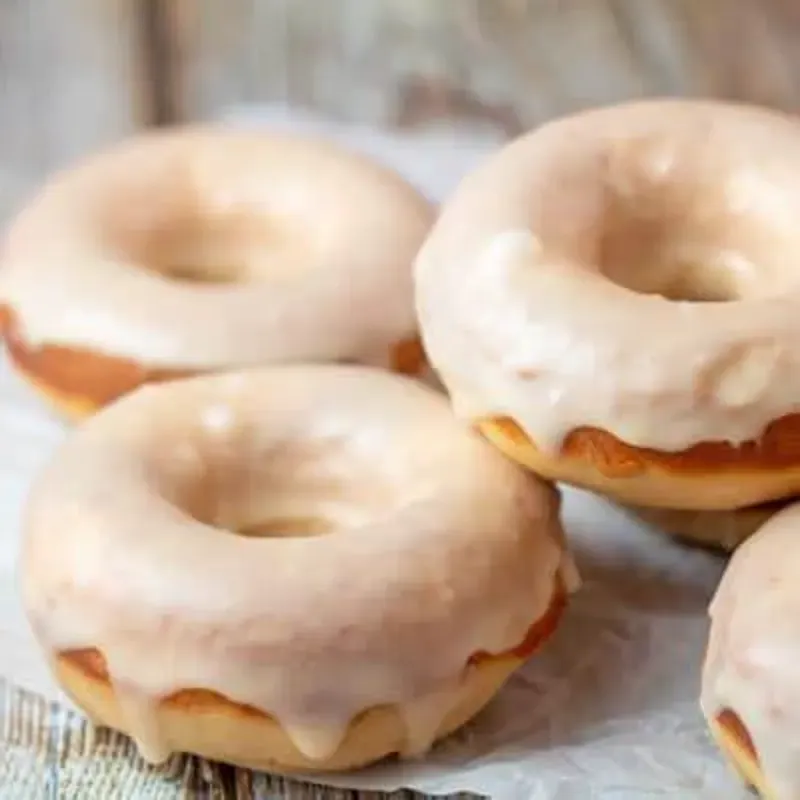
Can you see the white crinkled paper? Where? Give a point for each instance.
(607, 710)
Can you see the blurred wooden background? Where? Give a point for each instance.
(78, 73)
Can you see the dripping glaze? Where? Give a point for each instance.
(386, 609)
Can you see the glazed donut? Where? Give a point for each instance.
(751, 684)
(720, 530)
(204, 249)
(297, 567)
(560, 292)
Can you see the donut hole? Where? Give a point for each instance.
(295, 506)
(259, 506)
(288, 527)
(305, 486)
(209, 273)
(226, 254)
(244, 248)
(679, 219)
(262, 508)
(685, 282)
(654, 253)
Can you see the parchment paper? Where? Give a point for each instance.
(609, 707)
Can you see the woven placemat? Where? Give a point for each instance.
(48, 752)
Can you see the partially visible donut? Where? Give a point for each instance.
(751, 679)
(297, 567)
(560, 293)
(204, 249)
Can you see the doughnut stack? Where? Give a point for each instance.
(263, 547)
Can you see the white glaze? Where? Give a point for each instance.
(218, 417)
(422, 717)
(139, 712)
(515, 288)
(441, 548)
(754, 649)
(324, 239)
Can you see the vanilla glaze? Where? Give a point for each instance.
(202, 248)
(561, 285)
(426, 547)
(754, 649)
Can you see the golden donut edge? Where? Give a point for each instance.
(710, 476)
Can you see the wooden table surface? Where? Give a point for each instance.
(50, 753)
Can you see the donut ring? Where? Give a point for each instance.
(720, 530)
(204, 249)
(750, 688)
(373, 603)
(557, 300)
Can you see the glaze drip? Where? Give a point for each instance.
(385, 609)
